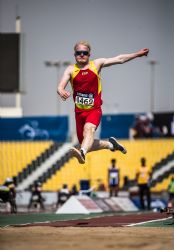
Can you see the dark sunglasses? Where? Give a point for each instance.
(81, 52)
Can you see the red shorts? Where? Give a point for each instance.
(92, 116)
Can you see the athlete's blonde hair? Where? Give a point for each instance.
(85, 43)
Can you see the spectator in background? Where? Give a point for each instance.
(74, 190)
(36, 196)
(100, 185)
(142, 127)
(126, 184)
(113, 179)
(63, 195)
(143, 177)
(171, 193)
(8, 194)
(9, 182)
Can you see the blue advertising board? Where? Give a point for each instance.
(34, 128)
(116, 125)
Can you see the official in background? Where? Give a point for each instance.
(171, 193)
(143, 177)
(113, 179)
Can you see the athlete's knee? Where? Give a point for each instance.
(89, 128)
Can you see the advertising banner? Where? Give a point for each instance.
(34, 128)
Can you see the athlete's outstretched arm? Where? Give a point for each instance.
(105, 62)
(64, 94)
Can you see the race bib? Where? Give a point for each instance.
(113, 175)
(84, 99)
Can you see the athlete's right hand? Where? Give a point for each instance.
(64, 94)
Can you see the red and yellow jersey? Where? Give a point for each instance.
(86, 85)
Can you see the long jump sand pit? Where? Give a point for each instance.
(86, 238)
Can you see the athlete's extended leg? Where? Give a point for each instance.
(112, 144)
(89, 144)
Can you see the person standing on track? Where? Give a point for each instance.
(86, 85)
(143, 177)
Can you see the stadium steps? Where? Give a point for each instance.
(46, 167)
(66, 170)
(36, 163)
(153, 150)
(163, 162)
(70, 173)
(164, 176)
(16, 155)
(163, 183)
(55, 167)
(49, 175)
(96, 167)
(162, 170)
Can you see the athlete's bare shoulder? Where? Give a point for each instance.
(69, 69)
(99, 63)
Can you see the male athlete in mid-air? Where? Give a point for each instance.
(86, 85)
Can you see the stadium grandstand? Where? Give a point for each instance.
(49, 162)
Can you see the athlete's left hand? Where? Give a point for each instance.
(143, 52)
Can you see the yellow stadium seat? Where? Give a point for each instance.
(97, 163)
(14, 156)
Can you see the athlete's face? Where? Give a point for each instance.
(82, 54)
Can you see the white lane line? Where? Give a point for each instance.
(144, 222)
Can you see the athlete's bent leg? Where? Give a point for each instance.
(88, 137)
(87, 142)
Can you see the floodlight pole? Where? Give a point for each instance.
(57, 65)
(18, 31)
(152, 85)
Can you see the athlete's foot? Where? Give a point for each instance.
(78, 154)
(117, 146)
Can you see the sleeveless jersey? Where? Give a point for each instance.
(86, 85)
(113, 176)
(143, 175)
